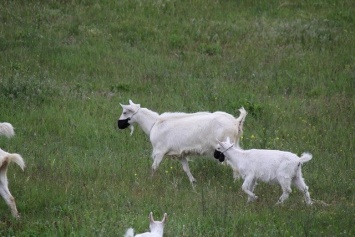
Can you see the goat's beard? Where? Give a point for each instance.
(123, 123)
(219, 155)
(131, 127)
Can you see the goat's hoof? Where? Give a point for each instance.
(252, 199)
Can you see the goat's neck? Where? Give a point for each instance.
(158, 231)
(156, 228)
(146, 119)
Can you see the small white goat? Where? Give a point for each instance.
(6, 129)
(5, 159)
(182, 134)
(270, 166)
(156, 228)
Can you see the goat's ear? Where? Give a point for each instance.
(131, 103)
(151, 218)
(164, 218)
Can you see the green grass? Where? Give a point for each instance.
(66, 65)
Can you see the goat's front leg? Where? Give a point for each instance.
(249, 183)
(185, 166)
(157, 157)
(301, 185)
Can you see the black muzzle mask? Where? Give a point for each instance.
(219, 155)
(123, 123)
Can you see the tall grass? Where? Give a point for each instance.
(66, 66)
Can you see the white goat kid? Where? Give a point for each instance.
(270, 166)
(6, 129)
(156, 228)
(182, 134)
(5, 159)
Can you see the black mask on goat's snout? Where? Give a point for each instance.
(219, 155)
(123, 123)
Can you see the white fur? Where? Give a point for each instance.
(156, 228)
(183, 134)
(5, 159)
(270, 166)
(6, 129)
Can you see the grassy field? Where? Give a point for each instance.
(66, 65)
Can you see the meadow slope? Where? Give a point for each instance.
(66, 65)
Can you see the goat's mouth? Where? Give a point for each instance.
(219, 155)
(123, 123)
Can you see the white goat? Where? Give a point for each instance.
(270, 166)
(182, 134)
(156, 228)
(6, 129)
(5, 159)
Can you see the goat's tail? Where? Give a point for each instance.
(305, 157)
(6, 129)
(240, 122)
(17, 159)
(129, 233)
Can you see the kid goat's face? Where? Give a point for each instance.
(221, 148)
(218, 153)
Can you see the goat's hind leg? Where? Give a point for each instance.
(301, 185)
(5, 193)
(248, 186)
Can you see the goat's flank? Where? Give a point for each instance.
(182, 134)
(269, 166)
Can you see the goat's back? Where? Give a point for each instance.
(196, 130)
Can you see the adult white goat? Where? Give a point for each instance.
(156, 228)
(182, 134)
(5, 159)
(270, 166)
(7, 129)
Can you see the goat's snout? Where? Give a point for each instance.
(219, 155)
(123, 123)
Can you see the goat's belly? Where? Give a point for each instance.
(267, 178)
(188, 152)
